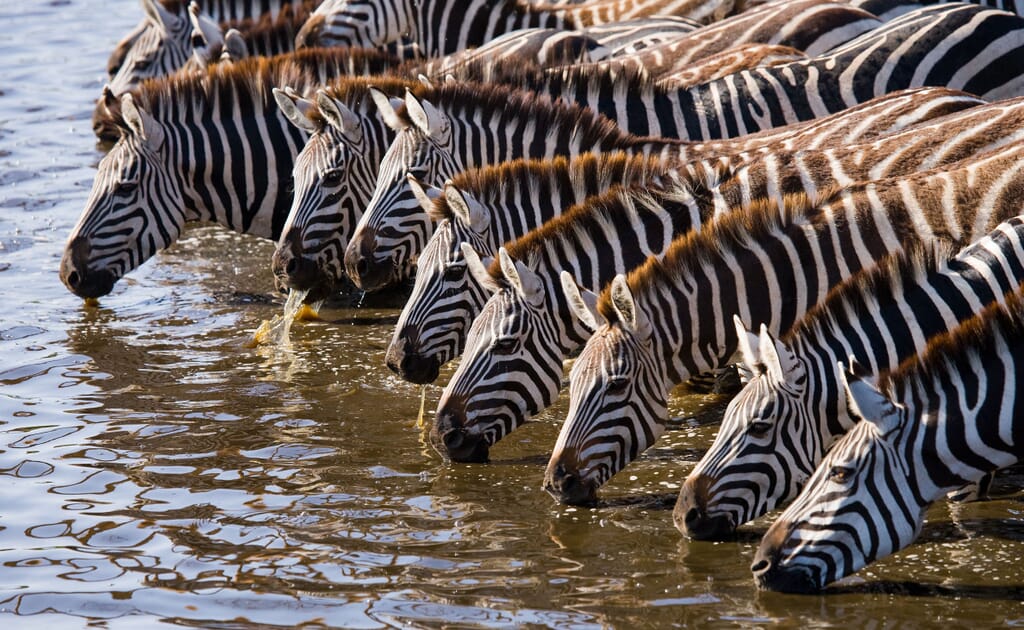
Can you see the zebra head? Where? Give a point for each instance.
(357, 23)
(159, 46)
(765, 450)
(331, 180)
(618, 396)
(857, 506)
(210, 44)
(511, 367)
(446, 296)
(394, 229)
(136, 208)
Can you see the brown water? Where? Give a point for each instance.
(155, 469)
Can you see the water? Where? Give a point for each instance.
(157, 471)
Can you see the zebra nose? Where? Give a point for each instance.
(309, 35)
(691, 516)
(450, 438)
(360, 263)
(565, 484)
(76, 275)
(297, 271)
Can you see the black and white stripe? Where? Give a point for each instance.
(673, 317)
(946, 419)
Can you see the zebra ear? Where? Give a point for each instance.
(288, 102)
(386, 109)
(110, 103)
(423, 114)
(140, 123)
(777, 358)
(865, 400)
(234, 46)
(424, 193)
(747, 344)
(158, 15)
(478, 268)
(582, 303)
(205, 33)
(522, 279)
(339, 116)
(625, 307)
(467, 209)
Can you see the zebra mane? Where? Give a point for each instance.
(737, 229)
(250, 79)
(580, 218)
(487, 183)
(289, 19)
(888, 277)
(462, 100)
(976, 337)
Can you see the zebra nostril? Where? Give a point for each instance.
(760, 566)
(453, 439)
(291, 266)
(362, 267)
(73, 279)
(692, 517)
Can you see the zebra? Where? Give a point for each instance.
(943, 419)
(550, 339)
(810, 26)
(776, 431)
(316, 233)
(767, 264)
(442, 27)
(485, 208)
(504, 201)
(213, 147)
(735, 59)
(393, 229)
(890, 9)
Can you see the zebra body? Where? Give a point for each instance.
(810, 26)
(944, 419)
(207, 147)
(743, 57)
(442, 27)
(889, 9)
(766, 265)
(484, 208)
(875, 63)
(777, 430)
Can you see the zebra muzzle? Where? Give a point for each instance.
(450, 437)
(78, 277)
(691, 516)
(565, 483)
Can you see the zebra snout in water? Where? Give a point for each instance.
(362, 265)
(452, 440)
(770, 575)
(691, 515)
(563, 481)
(297, 271)
(403, 359)
(78, 277)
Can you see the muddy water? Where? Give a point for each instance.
(154, 469)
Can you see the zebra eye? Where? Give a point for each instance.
(125, 188)
(617, 384)
(142, 65)
(332, 177)
(840, 474)
(759, 428)
(506, 345)
(453, 273)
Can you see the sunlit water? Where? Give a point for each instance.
(155, 469)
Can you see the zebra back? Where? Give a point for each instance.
(670, 318)
(212, 146)
(484, 208)
(742, 57)
(778, 428)
(945, 418)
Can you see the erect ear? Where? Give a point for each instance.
(424, 80)
(234, 46)
(478, 268)
(158, 15)
(467, 209)
(339, 116)
(625, 307)
(386, 109)
(748, 345)
(424, 193)
(582, 302)
(521, 278)
(140, 123)
(109, 102)
(205, 32)
(289, 102)
(424, 115)
(777, 358)
(865, 400)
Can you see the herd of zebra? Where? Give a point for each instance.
(824, 195)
